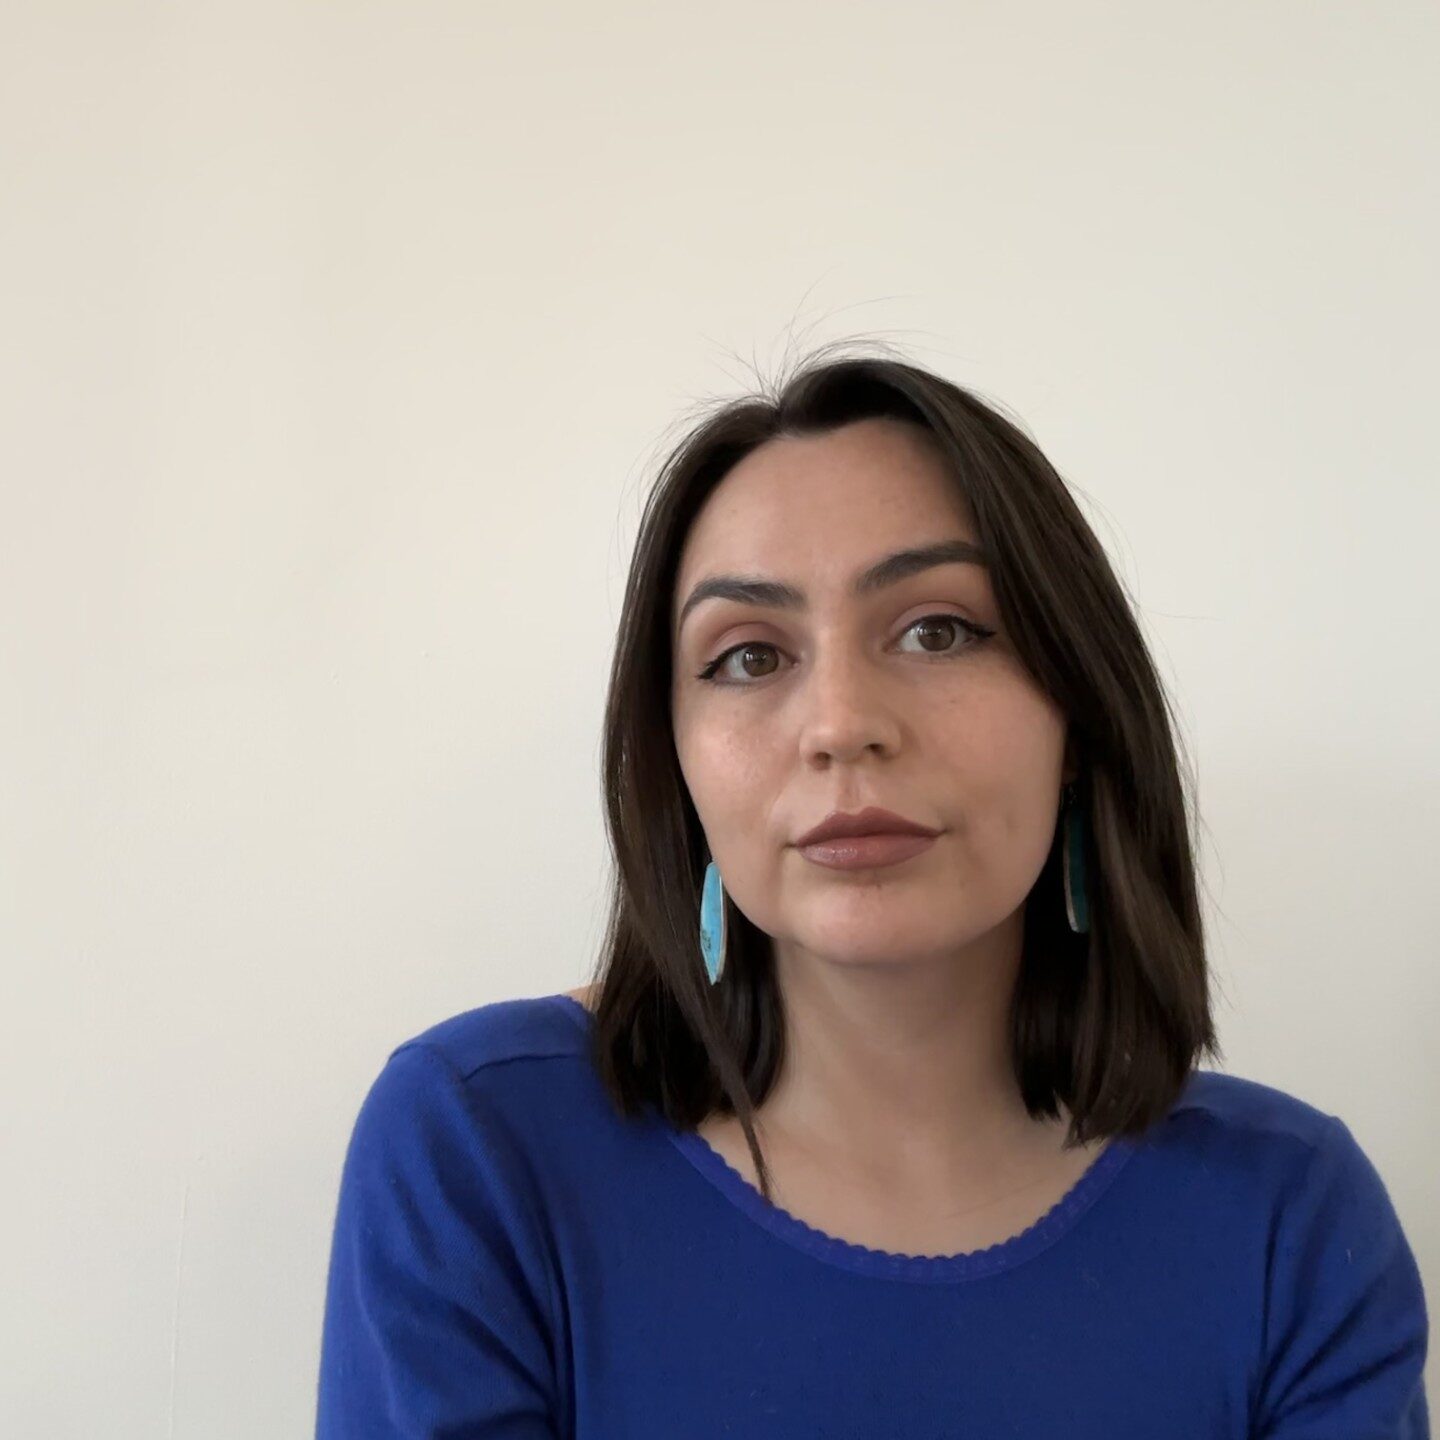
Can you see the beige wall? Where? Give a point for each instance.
(338, 342)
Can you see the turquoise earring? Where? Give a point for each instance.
(712, 923)
(1077, 905)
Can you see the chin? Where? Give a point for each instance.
(881, 944)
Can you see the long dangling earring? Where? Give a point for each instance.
(713, 930)
(1077, 906)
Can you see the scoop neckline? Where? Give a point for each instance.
(1004, 1255)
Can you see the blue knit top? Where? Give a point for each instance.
(512, 1259)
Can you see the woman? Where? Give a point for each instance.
(884, 1116)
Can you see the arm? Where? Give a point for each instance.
(1346, 1322)
(434, 1322)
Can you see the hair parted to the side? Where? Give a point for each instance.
(1109, 1022)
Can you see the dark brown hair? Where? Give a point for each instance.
(1109, 1022)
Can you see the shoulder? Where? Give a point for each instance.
(586, 995)
(533, 1027)
(490, 1072)
(491, 1097)
(1272, 1147)
(1250, 1111)
(1242, 1144)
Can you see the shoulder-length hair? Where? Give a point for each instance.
(1110, 1022)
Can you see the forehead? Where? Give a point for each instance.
(823, 504)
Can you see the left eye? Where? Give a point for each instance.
(975, 631)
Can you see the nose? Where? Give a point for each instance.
(846, 713)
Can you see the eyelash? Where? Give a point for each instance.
(977, 633)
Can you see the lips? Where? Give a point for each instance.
(870, 821)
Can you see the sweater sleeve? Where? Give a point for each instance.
(1346, 1329)
(436, 1322)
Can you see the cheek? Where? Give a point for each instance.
(1014, 828)
(723, 769)
(1001, 727)
(1006, 758)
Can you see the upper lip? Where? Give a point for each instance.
(839, 825)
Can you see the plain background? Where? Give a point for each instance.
(340, 343)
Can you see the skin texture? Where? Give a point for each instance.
(897, 1121)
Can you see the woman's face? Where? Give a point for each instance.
(843, 701)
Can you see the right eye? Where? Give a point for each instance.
(708, 673)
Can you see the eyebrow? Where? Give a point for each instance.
(755, 590)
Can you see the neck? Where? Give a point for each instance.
(903, 1072)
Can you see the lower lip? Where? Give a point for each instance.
(866, 852)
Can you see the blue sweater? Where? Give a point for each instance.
(511, 1259)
